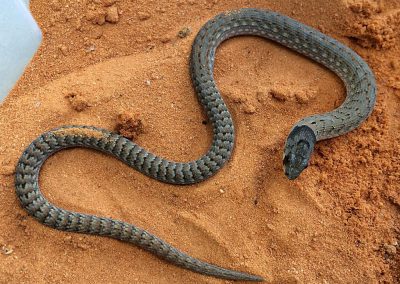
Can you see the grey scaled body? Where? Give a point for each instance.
(354, 72)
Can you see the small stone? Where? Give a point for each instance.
(143, 16)
(96, 17)
(148, 82)
(391, 250)
(63, 49)
(362, 160)
(6, 250)
(112, 15)
(221, 190)
(271, 227)
(184, 32)
(150, 46)
(249, 109)
(261, 97)
(90, 48)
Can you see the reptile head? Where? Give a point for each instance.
(298, 149)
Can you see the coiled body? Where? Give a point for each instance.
(344, 62)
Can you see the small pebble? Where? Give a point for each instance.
(97, 17)
(261, 97)
(90, 48)
(271, 227)
(143, 16)
(391, 250)
(63, 49)
(6, 250)
(249, 109)
(184, 32)
(112, 15)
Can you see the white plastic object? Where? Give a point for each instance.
(20, 37)
(26, 2)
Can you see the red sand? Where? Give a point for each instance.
(338, 223)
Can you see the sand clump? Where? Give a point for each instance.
(77, 101)
(282, 93)
(374, 28)
(129, 125)
(101, 14)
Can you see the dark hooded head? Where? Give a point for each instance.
(298, 149)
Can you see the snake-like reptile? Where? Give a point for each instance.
(355, 73)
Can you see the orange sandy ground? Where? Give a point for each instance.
(338, 223)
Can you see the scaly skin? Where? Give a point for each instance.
(359, 103)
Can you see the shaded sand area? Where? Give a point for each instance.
(338, 223)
